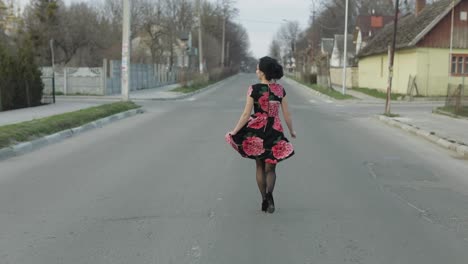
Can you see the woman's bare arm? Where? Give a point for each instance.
(245, 115)
(287, 116)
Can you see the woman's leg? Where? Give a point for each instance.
(270, 171)
(261, 180)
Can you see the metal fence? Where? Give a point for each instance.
(48, 96)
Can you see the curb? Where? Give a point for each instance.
(452, 145)
(25, 147)
(287, 79)
(185, 96)
(441, 112)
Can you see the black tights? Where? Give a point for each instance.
(266, 177)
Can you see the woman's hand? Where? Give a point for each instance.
(293, 134)
(232, 133)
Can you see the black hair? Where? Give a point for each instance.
(271, 68)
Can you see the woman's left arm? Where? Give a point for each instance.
(245, 115)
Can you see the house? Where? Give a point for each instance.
(326, 46)
(141, 48)
(422, 51)
(337, 57)
(367, 26)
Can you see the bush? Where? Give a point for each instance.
(20, 78)
(220, 74)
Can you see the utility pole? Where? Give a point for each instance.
(392, 58)
(224, 41)
(200, 36)
(451, 42)
(126, 49)
(345, 59)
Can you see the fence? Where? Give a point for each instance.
(457, 98)
(105, 80)
(48, 96)
(142, 76)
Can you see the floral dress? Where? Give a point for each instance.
(262, 137)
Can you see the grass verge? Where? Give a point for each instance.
(451, 110)
(25, 131)
(323, 90)
(377, 94)
(192, 88)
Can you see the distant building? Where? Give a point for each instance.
(423, 50)
(337, 57)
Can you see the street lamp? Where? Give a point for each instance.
(345, 59)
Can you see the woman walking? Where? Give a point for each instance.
(260, 136)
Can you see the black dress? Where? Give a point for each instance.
(262, 137)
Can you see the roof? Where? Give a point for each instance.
(327, 45)
(411, 28)
(184, 36)
(339, 41)
(379, 8)
(364, 22)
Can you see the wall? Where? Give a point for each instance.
(373, 71)
(106, 80)
(433, 71)
(71, 81)
(352, 77)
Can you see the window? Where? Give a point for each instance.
(463, 16)
(466, 66)
(459, 65)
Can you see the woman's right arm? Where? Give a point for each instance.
(287, 116)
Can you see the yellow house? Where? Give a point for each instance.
(423, 51)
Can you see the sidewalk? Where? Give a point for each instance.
(447, 132)
(65, 104)
(449, 128)
(28, 114)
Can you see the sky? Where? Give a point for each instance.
(261, 18)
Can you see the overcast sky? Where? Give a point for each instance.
(261, 18)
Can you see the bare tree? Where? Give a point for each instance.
(288, 35)
(275, 49)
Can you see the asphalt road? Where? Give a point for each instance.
(164, 187)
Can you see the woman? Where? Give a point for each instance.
(260, 136)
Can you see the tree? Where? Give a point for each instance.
(78, 30)
(275, 49)
(42, 23)
(21, 84)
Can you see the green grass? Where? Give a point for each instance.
(376, 93)
(451, 109)
(192, 88)
(22, 132)
(323, 90)
(391, 115)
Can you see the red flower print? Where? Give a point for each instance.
(277, 90)
(253, 146)
(270, 161)
(277, 124)
(274, 108)
(260, 120)
(263, 101)
(282, 149)
(230, 141)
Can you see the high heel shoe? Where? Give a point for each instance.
(271, 203)
(264, 205)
